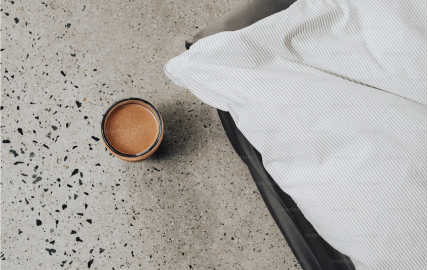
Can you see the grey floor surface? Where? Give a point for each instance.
(66, 202)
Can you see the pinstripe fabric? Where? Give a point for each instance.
(333, 95)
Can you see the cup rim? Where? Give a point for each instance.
(145, 151)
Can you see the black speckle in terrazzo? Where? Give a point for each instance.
(46, 146)
(37, 180)
(68, 25)
(6, 141)
(51, 250)
(18, 162)
(38, 222)
(20, 131)
(16, 20)
(78, 239)
(54, 128)
(95, 138)
(90, 263)
(89, 221)
(63, 263)
(13, 152)
(73, 232)
(62, 72)
(64, 206)
(75, 171)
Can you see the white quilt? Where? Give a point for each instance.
(333, 95)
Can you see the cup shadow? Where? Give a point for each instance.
(183, 132)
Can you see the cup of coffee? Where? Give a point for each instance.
(132, 129)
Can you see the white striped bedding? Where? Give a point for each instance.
(333, 95)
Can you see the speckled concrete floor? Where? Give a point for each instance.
(67, 203)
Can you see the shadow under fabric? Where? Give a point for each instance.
(310, 249)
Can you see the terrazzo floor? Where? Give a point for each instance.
(66, 202)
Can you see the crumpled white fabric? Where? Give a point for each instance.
(333, 95)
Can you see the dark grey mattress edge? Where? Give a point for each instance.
(310, 249)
